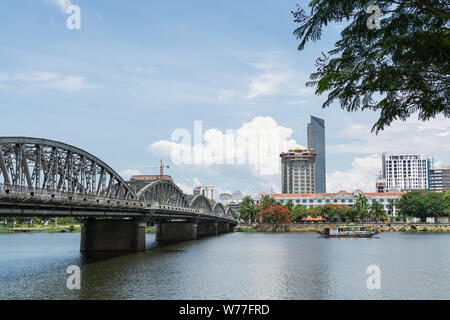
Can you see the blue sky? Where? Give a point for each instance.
(138, 70)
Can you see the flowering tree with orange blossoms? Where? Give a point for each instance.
(274, 216)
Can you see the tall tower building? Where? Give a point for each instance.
(298, 171)
(316, 141)
(406, 172)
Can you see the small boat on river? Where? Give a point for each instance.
(350, 231)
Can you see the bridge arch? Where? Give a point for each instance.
(200, 202)
(163, 192)
(42, 164)
(229, 213)
(218, 209)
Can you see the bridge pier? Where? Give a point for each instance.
(176, 231)
(223, 227)
(206, 229)
(112, 235)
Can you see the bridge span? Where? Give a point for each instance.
(45, 178)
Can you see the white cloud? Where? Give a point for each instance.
(257, 143)
(226, 94)
(63, 4)
(277, 75)
(429, 137)
(51, 80)
(361, 176)
(127, 173)
(266, 84)
(185, 188)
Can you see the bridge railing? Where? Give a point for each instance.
(14, 193)
(22, 193)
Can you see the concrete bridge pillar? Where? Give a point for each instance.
(206, 229)
(112, 235)
(176, 231)
(223, 227)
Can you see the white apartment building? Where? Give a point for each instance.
(207, 190)
(405, 172)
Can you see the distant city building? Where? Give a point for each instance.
(405, 172)
(207, 190)
(380, 185)
(440, 179)
(316, 141)
(225, 198)
(342, 197)
(257, 199)
(298, 171)
(139, 181)
(237, 196)
(233, 206)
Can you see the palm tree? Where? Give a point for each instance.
(377, 210)
(247, 209)
(391, 206)
(361, 206)
(289, 205)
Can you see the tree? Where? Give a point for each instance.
(391, 206)
(289, 205)
(423, 204)
(267, 201)
(247, 209)
(377, 210)
(397, 69)
(298, 213)
(327, 211)
(361, 206)
(275, 216)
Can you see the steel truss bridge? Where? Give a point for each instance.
(40, 177)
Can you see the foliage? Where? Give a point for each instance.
(377, 211)
(397, 69)
(361, 206)
(274, 215)
(298, 213)
(247, 209)
(289, 205)
(423, 204)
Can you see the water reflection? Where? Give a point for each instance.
(229, 266)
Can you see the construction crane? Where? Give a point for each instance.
(161, 168)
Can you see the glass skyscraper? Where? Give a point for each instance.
(316, 141)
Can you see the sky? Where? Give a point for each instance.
(139, 79)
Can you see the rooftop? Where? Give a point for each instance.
(340, 193)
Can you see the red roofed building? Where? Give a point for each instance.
(342, 197)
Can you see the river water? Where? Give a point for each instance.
(230, 266)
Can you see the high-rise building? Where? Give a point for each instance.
(406, 172)
(206, 190)
(316, 141)
(298, 171)
(440, 179)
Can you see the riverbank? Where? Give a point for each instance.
(397, 227)
(71, 228)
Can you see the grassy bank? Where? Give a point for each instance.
(58, 229)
